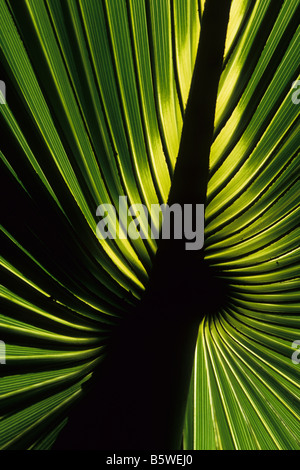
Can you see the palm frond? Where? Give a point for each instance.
(96, 93)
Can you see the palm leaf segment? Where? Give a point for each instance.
(96, 93)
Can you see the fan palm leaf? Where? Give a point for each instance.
(96, 107)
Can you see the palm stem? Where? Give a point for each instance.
(146, 379)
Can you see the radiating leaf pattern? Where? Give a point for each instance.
(96, 92)
(245, 391)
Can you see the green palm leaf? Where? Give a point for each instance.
(96, 103)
